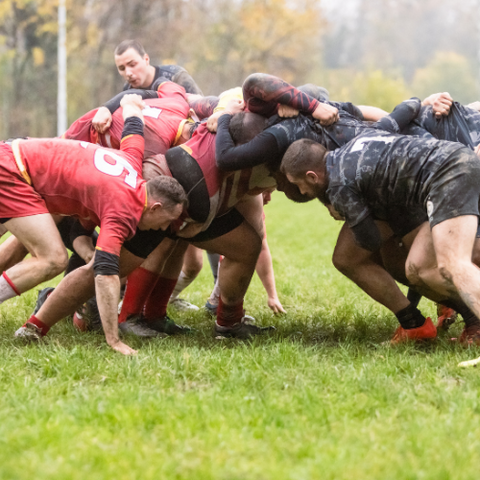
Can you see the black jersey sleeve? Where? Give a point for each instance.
(262, 149)
(401, 116)
(351, 109)
(114, 103)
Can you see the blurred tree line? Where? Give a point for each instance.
(380, 53)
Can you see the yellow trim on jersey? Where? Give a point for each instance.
(225, 97)
(187, 149)
(146, 198)
(124, 138)
(99, 248)
(160, 86)
(19, 161)
(179, 131)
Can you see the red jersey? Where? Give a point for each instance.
(225, 189)
(164, 118)
(96, 184)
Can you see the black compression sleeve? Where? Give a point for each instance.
(132, 126)
(401, 116)
(114, 103)
(367, 235)
(106, 263)
(263, 148)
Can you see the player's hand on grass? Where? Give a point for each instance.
(132, 105)
(102, 120)
(440, 102)
(325, 114)
(275, 305)
(123, 348)
(285, 111)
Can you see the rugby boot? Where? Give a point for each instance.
(245, 329)
(165, 325)
(87, 317)
(211, 309)
(182, 305)
(135, 325)
(470, 336)
(446, 317)
(29, 331)
(426, 332)
(42, 297)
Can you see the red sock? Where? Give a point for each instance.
(228, 315)
(44, 327)
(140, 284)
(156, 304)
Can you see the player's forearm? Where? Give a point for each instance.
(372, 114)
(262, 94)
(264, 269)
(83, 246)
(107, 288)
(114, 103)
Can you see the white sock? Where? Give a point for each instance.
(182, 283)
(6, 291)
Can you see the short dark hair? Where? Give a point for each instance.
(245, 126)
(302, 156)
(167, 190)
(122, 47)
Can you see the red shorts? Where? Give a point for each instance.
(17, 197)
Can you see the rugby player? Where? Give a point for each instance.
(100, 186)
(380, 176)
(133, 64)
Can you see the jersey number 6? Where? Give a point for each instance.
(117, 168)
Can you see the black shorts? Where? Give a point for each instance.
(455, 188)
(144, 242)
(403, 222)
(219, 226)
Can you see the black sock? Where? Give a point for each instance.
(468, 316)
(410, 317)
(414, 297)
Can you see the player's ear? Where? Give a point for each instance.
(147, 59)
(156, 206)
(312, 176)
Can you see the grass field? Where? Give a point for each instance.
(322, 398)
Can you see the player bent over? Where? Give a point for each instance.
(379, 176)
(102, 187)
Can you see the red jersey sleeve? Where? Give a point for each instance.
(133, 146)
(113, 233)
(169, 89)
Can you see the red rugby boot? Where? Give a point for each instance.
(470, 336)
(446, 317)
(426, 332)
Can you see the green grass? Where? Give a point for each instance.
(320, 398)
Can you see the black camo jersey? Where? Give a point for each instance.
(462, 125)
(286, 131)
(283, 132)
(384, 175)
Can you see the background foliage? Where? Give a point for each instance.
(366, 51)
